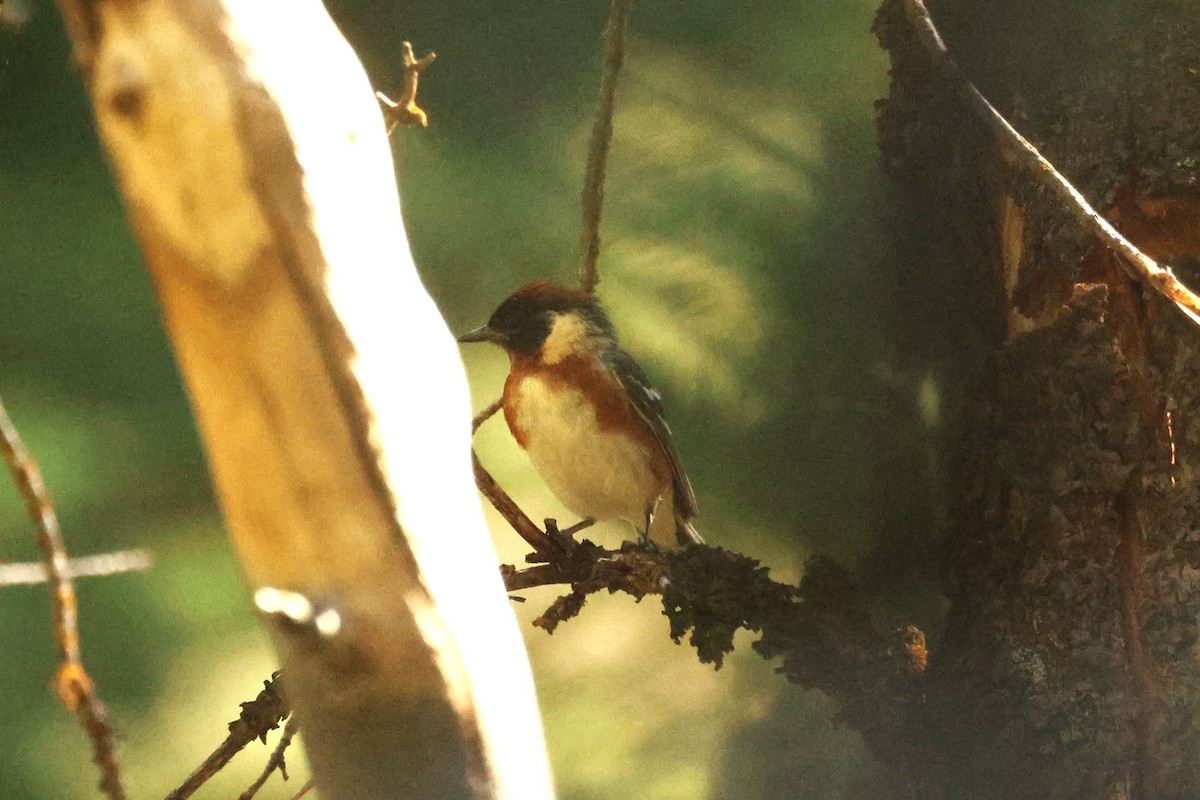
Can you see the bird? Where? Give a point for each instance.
(586, 414)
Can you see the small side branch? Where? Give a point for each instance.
(72, 683)
(258, 717)
(404, 109)
(1019, 152)
(275, 762)
(598, 146)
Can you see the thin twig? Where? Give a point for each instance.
(404, 109)
(508, 508)
(71, 682)
(486, 414)
(275, 762)
(1019, 152)
(258, 716)
(598, 145)
(31, 573)
(500, 500)
(305, 789)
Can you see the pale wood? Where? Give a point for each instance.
(328, 392)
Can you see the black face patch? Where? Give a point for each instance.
(523, 323)
(525, 318)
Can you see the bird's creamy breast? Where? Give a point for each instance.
(595, 472)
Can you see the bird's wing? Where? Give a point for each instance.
(648, 402)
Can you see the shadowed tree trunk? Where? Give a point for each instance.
(1069, 666)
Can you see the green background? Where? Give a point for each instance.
(753, 261)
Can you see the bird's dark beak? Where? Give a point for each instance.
(484, 334)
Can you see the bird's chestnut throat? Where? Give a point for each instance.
(574, 372)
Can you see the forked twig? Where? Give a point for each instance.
(1018, 151)
(275, 762)
(71, 682)
(404, 109)
(598, 145)
(258, 716)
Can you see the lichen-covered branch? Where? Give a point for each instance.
(823, 629)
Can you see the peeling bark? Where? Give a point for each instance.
(1068, 668)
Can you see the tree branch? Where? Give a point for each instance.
(72, 683)
(823, 630)
(500, 500)
(257, 718)
(1017, 151)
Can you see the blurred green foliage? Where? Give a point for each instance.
(751, 260)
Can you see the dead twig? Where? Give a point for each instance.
(31, 573)
(486, 414)
(275, 762)
(71, 682)
(589, 568)
(598, 145)
(404, 109)
(534, 536)
(258, 717)
(1017, 151)
(305, 789)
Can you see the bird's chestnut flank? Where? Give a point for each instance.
(586, 414)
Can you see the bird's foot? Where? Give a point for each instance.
(566, 538)
(646, 544)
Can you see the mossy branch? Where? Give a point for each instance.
(823, 630)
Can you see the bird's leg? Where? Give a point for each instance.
(583, 524)
(651, 512)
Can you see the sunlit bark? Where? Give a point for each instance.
(330, 397)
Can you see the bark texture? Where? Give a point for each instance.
(333, 407)
(1069, 667)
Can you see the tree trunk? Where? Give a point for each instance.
(329, 394)
(1069, 667)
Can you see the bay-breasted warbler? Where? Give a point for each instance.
(586, 415)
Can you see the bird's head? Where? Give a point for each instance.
(547, 319)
